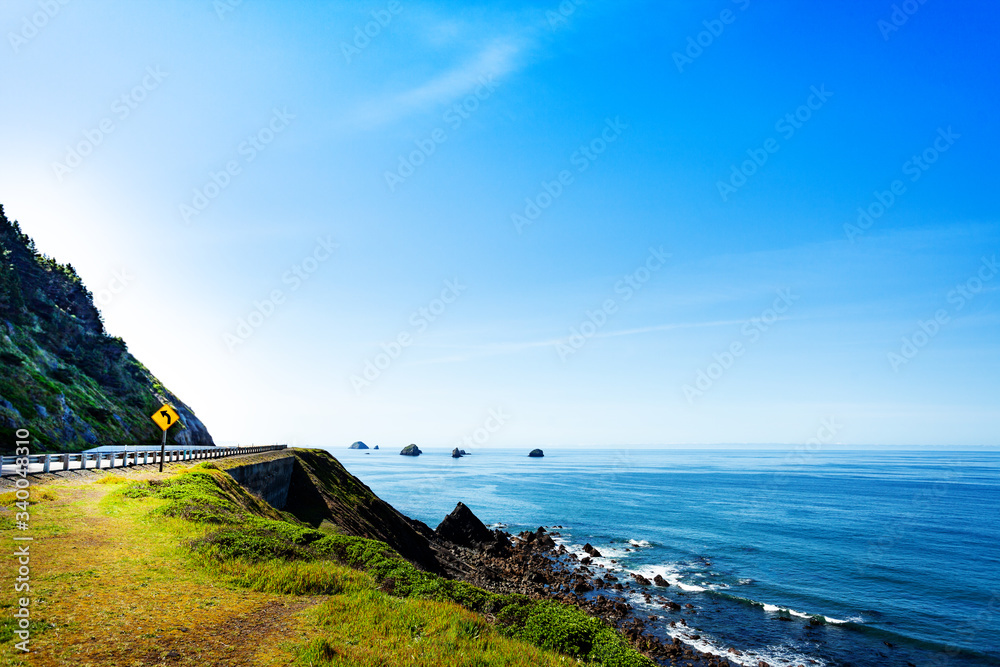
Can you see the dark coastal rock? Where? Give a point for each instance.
(411, 450)
(591, 550)
(660, 581)
(536, 453)
(359, 445)
(464, 528)
(641, 580)
(375, 447)
(500, 546)
(457, 453)
(538, 540)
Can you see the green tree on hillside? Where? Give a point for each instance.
(11, 298)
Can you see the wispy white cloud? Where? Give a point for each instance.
(496, 59)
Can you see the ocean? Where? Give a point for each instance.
(791, 557)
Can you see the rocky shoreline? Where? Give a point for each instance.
(534, 564)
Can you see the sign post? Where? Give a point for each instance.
(165, 417)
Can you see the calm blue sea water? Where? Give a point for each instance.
(898, 551)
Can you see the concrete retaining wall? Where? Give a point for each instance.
(268, 479)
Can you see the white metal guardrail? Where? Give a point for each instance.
(43, 463)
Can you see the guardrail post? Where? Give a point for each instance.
(65, 461)
(97, 457)
(47, 463)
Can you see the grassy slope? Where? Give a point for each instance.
(191, 570)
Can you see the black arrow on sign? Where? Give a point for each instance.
(167, 415)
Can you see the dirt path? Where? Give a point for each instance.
(116, 588)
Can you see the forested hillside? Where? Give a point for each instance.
(63, 377)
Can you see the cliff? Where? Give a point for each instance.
(63, 377)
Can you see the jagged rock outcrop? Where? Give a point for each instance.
(464, 528)
(411, 450)
(322, 492)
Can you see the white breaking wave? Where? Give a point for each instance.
(773, 655)
(670, 573)
(683, 633)
(791, 612)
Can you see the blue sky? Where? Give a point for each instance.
(537, 204)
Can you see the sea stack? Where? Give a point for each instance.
(359, 445)
(536, 453)
(375, 447)
(411, 450)
(457, 453)
(464, 528)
